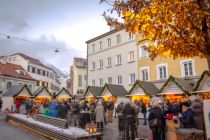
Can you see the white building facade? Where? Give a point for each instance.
(11, 74)
(78, 77)
(112, 59)
(44, 75)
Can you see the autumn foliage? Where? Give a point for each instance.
(180, 28)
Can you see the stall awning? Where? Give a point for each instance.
(17, 90)
(143, 88)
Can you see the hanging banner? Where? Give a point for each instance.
(206, 108)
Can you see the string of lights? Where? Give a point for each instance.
(36, 43)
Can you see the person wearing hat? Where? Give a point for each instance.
(187, 116)
(120, 108)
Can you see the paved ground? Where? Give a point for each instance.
(110, 132)
(11, 132)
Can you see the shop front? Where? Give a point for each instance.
(175, 90)
(92, 93)
(63, 95)
(142, 91)
(16, 92)
(114, 93)
(42, 95)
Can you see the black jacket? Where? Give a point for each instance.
(156, 113)
(187, 119)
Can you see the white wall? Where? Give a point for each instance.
(15, 81)
(122, 48)
(77, 72)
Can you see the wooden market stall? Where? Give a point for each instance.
(16, 92)
(142, 90)
(63, 95)
(115, 92)
(42, 95)
(175, 89)
(202, 91)
(92, 93)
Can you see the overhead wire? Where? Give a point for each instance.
(36, 43)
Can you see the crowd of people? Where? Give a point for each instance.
(162, 116)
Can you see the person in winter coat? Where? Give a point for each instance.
(144, 111)
(110, 111)
(187, 116)
(156, 114)
(172, 123)
(120, 108)
(197, 108)
(129, 113)
(99, 113)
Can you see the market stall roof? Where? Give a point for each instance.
(176, 86)
(203, 83)
(16, 90)
(63, 93)
(113, 90)
(143, 88)
(42, 91)
(95, 90)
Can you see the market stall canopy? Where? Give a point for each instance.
(203, 83)
(18, 90)
(42, 92)
(93, 91)
(113, 90)
(176, 86)
(63, 93)
(143, 88)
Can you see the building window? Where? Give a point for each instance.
(85, 77)
(30, 87)
(22, 72)
(162, 71)
(33, 69)
(144, 73)
(38, 71)
(109, 42)
(101, 82)
(119, 59)
(79, 80)
(93, 65)
(100, 64)
(142, 51)
(41, 72)
(132, 78)
(118, 38)
(93, 82)
(187, 68)
(9, 84)
(101, 45)
(131, 36)
(119, 80)
(93, 48)
(131, 56)
(109, 80)
(109, 61)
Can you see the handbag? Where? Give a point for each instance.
(153, 122)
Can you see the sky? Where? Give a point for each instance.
(38, 27)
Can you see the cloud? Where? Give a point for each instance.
(42, 48)
(14, 21)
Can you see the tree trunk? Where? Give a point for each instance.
(208, 61)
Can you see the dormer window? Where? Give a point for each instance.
(22, 72)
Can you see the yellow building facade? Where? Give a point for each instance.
(160, 69)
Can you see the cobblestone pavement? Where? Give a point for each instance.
(11, 132)
(111, 131)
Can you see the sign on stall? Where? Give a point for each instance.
(206, 108)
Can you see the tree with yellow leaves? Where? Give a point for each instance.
(180, 28)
